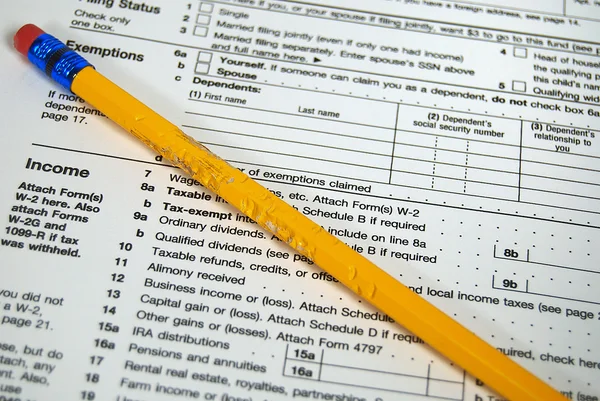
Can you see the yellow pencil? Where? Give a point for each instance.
(306, 237)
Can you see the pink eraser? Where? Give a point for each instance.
(25, 37)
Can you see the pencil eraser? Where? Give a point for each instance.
(25, 37)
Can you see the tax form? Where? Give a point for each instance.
(451, 143)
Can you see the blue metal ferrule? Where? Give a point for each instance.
(54, 58)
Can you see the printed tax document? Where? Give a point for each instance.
(454, 144)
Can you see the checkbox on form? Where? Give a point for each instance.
(519, 86)
(204, 57)
(200, 31)
(202, 68)
(206, 8)
(520, 52)
(203, 19)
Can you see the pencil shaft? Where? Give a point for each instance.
(309, 239)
